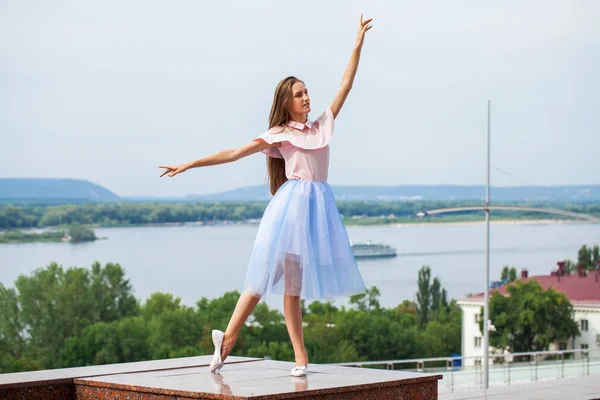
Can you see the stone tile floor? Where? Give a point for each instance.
(580, 388)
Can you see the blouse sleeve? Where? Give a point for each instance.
(324, 125)
(272, 137)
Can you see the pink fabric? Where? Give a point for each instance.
(304, 147)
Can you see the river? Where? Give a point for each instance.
(205, 261)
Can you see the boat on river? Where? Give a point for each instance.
(372, 250)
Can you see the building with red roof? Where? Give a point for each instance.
(581, 288)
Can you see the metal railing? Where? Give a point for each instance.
(504, 370)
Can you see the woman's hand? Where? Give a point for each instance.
(363, 27)
(173, 170)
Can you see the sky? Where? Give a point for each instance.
(106, 91)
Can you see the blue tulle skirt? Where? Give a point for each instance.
(302, 248)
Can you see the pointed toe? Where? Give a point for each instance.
(217, 363)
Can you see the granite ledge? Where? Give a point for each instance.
(420, 391)
(66, 376)
(427, 381)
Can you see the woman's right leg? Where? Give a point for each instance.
(293, 321)
(291, 307)
(244, 307)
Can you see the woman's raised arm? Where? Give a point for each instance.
(350, 73)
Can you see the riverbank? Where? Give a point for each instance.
(74, 233)
(57, 233)
(250, 213)
(500, 222)
(368, 221)
(459, 221)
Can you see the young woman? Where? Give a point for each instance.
(301, 249)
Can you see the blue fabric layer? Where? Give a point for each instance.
(302, 247)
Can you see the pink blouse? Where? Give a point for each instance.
(304, 147)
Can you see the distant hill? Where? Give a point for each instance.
(583, 193)
(61, 191)
(250, 193)
(53, 191)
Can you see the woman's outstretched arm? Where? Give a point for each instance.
(350, 73)
(222, 157)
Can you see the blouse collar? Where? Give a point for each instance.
(300, 126)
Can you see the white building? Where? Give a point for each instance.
(583, 290)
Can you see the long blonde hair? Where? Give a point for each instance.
(279, 116)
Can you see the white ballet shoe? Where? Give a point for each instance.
(299, 371)
(216, 363)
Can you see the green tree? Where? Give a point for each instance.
(175, 333)
(423, 296)
(529, 318)
(509, 274)
(379, 335)
(164, 329)
(54, 304)
(438, 296)
(13, 347)
(407, 307)
(273, 350)
(442, 334)
(325, 309)
(570, 267)
(368, 301)
(81, 233)
(111, 293)
(125, 340)
(158, 303)
(588, 257)
(75, 317)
